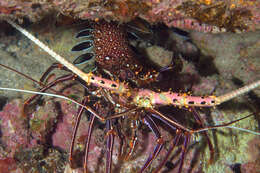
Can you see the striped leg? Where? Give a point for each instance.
(154, 128)
(110, 144)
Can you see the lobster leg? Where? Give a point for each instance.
(75, 129)
(176, 126)
(133, 141)
(59, 80)
(154, 128)
(187, 136)
(205, 133)
(172, 123)
(110, 144)
(122, 140)
(90, 128)
(51, 68)
(175, 141)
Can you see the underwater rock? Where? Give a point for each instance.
(233, 56)
(14, 129)
(206, 16)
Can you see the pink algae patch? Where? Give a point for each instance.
(13, 127)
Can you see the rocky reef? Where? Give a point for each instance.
(209, 64)
(202, 15)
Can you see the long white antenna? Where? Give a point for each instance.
(232, 127)
(41, 93)
(56, 56)
(66, 98)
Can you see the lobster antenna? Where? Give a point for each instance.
(227, 125)
(58, 94)
(60, 59)
(66, 98)
(243, 130)
(45, 94)
(232, 127)
(87, 77)
(121, 88)
(55, 95)
(238, 92)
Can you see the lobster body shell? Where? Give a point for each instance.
(113, 53)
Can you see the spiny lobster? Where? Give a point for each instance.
(139, 101)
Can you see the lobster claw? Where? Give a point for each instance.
(84, 58)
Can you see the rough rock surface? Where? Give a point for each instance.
(51, 126)
(202, 15)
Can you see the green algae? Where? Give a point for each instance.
(230, 145)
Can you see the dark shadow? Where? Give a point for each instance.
(3, 101)
(206, 66)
